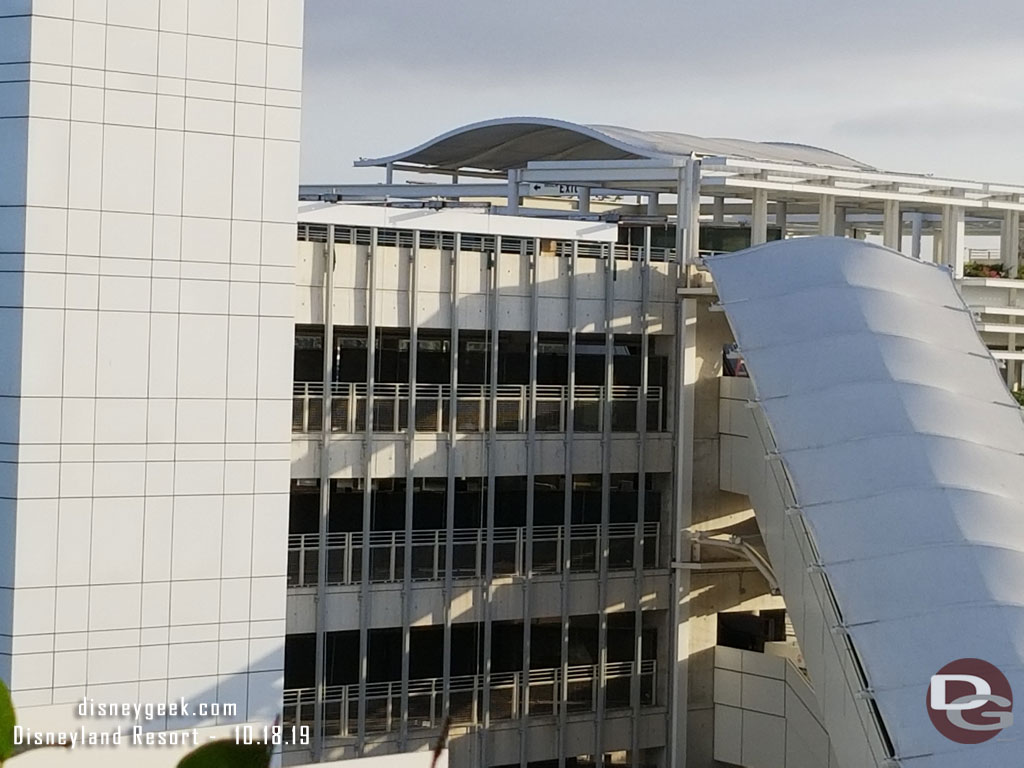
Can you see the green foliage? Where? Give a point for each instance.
(225, 753)
(1020, 272)
(7, 723)
(1019, 395)
(977, 269)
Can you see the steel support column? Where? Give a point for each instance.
(782, 217)
(565, 554)
(606, 464)
(583, 203)
(531, 488)
(641, 501)
(916, 226)
(410, 482)
(759, 217)
(827, 215)
(685, 376)
(492, 483)
(367, 471)
(1009, 242)
(892, 225)
(953, 235)
(449, 522)
(320, 598)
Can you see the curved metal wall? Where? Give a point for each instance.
(894, 507)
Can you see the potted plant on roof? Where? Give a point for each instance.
(977, 269)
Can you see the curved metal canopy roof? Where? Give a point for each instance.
(512, 142)
(905, 454)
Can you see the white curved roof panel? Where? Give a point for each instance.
(512, 142)
(905, 453)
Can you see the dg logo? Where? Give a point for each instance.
(970, 701)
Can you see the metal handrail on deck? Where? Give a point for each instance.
(509, 694)
(391, 404)
(387, 549)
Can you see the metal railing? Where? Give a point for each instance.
(386, 551)
(513, 695)
(432, 405)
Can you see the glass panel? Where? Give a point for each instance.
(298, 406)
(293, 568)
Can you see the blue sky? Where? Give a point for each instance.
(927, 86)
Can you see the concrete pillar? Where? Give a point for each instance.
(892, 225)
(827, 215)
(513, 191)
(916, 225)
(781, 217)
(718, 210)
(1009, 242)
(953, 237)
(759, 217)
(840, 228)
(584, 200)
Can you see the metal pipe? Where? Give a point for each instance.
(449, 530)
(531, 488)
(325, 496)
(641, 501)
(364, 579)
(410, 481)
(492, 447)
(606, 464)
(566, 558)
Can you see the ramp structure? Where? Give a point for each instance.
(888, 482)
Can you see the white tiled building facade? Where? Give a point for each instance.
(149, 161)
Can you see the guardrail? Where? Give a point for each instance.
(512, 695)
(345, 551)
(391, 405)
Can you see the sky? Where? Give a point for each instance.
(925, 86)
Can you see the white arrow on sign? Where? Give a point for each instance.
(553, 190)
